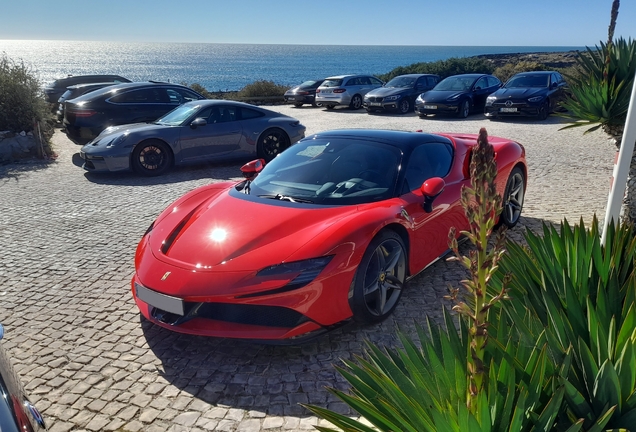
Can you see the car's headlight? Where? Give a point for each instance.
(391, 98)
(305, 271)
(490, 100)
(536, 99)
(453, 98)
(120, 139)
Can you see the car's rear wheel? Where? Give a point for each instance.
(464, 109)
(356, 102)
(271, 143)
(379, 280)
(513, 198)
(152, 158)
(404, 106)
(298, 105)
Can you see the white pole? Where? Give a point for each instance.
(621, 170)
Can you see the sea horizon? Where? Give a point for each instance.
(231, 66)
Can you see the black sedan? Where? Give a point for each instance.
(195, 132)
(527, 94)
(17, 413)
(399, 94)
(54, 90)
(458, 94)
(304, 93)
(86, 116)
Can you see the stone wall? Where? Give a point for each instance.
(18, 146)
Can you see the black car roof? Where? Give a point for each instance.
(535, 73)
(124, 86)
(403, 140)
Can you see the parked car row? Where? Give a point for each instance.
(525, 94)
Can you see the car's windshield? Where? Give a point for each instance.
(330, 171)
(455, 84)
(332, 83)
(401, 82)
(178, 115)
(528, 81)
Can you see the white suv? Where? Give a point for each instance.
(345, 90)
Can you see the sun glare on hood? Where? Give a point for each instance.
(218, 234)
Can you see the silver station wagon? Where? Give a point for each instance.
(347, 90)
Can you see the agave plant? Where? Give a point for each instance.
(583, 298)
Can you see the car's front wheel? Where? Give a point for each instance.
(356, 102)
(152, 158)
(379, 280)
(464, 109)
(271, 143)
(544, 110)
(404, 106)
(513, 198)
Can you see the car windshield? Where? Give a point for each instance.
(401, 82)
(329, 171)
(332, 83)
(528, 81)
(455, 84)
(178, 115)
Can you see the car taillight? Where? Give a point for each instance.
(84, 113)
(340, 90)
(317, 90)
(302, 92)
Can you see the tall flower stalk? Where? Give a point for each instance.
(481, 204)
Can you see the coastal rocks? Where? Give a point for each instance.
(553, 60)
(17, 146)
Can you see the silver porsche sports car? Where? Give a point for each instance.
(195, 132)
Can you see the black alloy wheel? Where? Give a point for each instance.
(356, 102)
(271, 143)
(544, 110)
(464, 109)
(152, 158)
(379, 281)
(404, 106)
(513, 198)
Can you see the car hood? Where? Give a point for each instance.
(440, 95)
(234, 232)
(387, 91)
(129, 128)
(519, 92)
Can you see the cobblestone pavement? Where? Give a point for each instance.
(89, 361)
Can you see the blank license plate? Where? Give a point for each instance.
(375, 104)
(291, 98)
(164, 302)
(430, 106)
(508, 109)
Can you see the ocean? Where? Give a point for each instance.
(222, 67)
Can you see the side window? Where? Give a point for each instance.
(353, 82)
(375, 81)
(431, 81)
(426, 161)
(482, 83)
(492, 81)
(151, 95)
(365, 81)
(247, 114)
(187, 95)
(227, 114)
(175, 97)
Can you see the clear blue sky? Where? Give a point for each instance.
(342, 22)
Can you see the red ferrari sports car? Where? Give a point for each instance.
(329, 230)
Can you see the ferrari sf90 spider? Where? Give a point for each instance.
(329, 230)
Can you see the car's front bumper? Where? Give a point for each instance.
(99, 160)
(381, 106)
(514, 110)
(436, 108)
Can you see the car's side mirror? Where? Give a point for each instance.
(198, 122)
(431, 189)
(251, 169)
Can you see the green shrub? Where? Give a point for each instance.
(262, 88)
(508, 70)
(444, 68)
(21, 99)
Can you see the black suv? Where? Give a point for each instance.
(138, 102)
(58, 87)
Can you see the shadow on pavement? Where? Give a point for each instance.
(219, 171)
